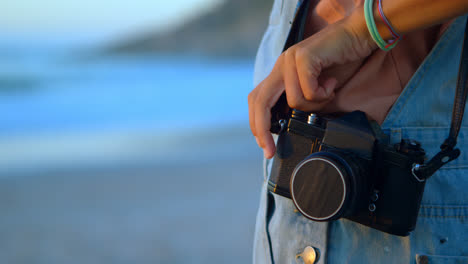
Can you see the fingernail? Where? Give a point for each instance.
(331, 87)
(258, 142)
(328, 90)
(267, 154)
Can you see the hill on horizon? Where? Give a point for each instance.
(233, 29)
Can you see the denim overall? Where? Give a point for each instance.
(423, 113)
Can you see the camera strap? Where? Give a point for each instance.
(280, 110)
(448, 152)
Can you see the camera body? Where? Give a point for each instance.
(345, 167)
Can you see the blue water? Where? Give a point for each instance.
(119, 199)
(57, 89)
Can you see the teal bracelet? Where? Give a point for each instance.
(372, 27)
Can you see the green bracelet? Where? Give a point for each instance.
(372, 27)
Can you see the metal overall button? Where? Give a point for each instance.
(423, 259)
(308, 256)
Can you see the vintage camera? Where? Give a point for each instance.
(346, 167)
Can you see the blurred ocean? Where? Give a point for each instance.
(52, 93)
(51, 89)
(137, 159)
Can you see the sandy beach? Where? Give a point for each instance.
(130, 197)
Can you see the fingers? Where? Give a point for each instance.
(294, 94)
(297, 76)
(266, 99)
(255, 100)
(264, 138)
(251, 102)
(304, 71)
(261, 100)
(329, 86)
(301, 74)
(309, 68)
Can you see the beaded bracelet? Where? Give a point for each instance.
(372, 27)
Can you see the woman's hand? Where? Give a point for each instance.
(310, 72)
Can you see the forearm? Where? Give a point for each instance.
(405, 16)
(410, 15)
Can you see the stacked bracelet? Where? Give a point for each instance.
(387, 23)
(370, 21)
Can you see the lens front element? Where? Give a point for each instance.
(320, 186)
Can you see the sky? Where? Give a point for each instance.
(102, 18)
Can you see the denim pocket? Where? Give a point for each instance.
(431, 259)
(441, 231)
(447, 186)
(443, 214)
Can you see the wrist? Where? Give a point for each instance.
(356, 25)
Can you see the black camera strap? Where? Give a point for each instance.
(280, 110)
(448, 152)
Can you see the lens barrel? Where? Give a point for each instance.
(323, 185)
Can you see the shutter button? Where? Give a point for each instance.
(308, 256)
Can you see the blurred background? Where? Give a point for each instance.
(124, 131)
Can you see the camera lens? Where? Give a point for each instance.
(323, 186)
